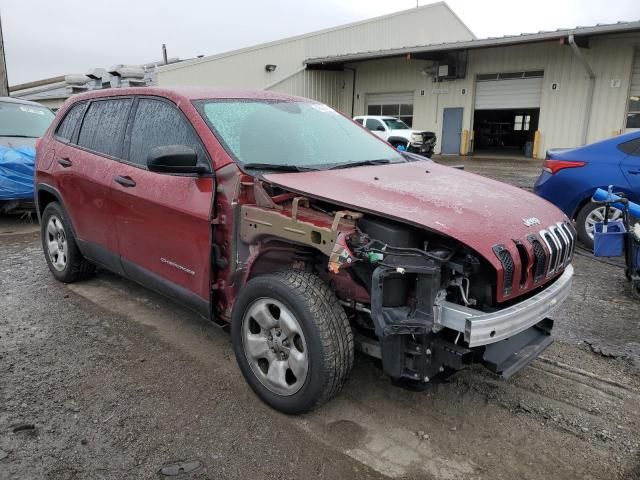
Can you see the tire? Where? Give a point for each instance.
(65, 261)
(317, 343)
(635, 289)
(582, 218)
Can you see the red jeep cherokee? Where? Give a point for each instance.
(305, 232)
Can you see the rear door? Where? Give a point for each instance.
(84, 169)
(631, 165)
(162, 220)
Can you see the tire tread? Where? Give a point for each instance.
(333, 325)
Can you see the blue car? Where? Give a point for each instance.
(21, 124)
(570, 176)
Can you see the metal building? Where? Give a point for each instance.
(516, 95)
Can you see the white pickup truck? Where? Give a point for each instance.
(399, 134)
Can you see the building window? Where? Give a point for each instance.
(522, 122)
(403, 111)
(633, 112)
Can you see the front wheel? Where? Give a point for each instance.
(292, 340)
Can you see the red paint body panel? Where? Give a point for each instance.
(86, 186)
(475, 210)
(164, 220)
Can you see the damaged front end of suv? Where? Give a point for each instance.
(423, 302)
(436, 268)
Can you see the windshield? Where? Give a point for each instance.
(20, 120)
(296, 134)
(395, 124)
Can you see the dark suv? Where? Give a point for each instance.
(303, 231)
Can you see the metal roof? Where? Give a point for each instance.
(600, 29)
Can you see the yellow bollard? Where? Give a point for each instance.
(463, 144)
(536, 143)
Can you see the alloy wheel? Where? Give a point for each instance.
(597, 216)
(274, 346)
(57, 245)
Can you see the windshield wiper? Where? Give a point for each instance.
(379, 161)
(277, 166)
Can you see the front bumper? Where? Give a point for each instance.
(480, 328)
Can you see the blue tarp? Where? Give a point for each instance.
(16, 172)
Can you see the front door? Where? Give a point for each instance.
(163, 220)
(376, 127)
(451, 130)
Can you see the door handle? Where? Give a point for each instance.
(634, 172)
(125, 181)
(65, 162)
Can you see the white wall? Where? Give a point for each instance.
(562, 112)
(434, 23)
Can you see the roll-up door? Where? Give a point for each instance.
(633, 109)
(508, 93)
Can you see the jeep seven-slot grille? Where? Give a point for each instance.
(524, 263)
(508, 267)
(552, 251)
(540, 259)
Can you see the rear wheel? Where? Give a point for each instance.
(292, 340)
(587, 218)
(65, 261)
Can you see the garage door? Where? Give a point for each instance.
(633, 108)
(399, 105)
(509, 90)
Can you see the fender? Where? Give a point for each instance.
(43, 187)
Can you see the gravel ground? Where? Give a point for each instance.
(104, 379)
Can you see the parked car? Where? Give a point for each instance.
(21, 124)
(569, 178)
(307, 234)
(399, 134)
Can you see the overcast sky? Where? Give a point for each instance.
(46, 38)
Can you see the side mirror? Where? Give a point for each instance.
(174, 159)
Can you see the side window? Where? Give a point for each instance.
(104, 125)
(67, 126)
(374, 125)
(632, 147)
(359, 120)
(156, 124)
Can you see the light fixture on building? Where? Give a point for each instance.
(270, 67)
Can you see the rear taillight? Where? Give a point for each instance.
(554, 166)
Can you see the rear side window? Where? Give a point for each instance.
(157, 124)
(359, 120)
(632, 147)
(67, 127)
(104, 125)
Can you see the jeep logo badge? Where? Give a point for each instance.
(531, 221)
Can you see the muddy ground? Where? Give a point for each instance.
(104, 379)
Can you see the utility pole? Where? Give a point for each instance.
(4, 81)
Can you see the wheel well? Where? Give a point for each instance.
(44, 199)
(582, 203)
(278, 255)
(395, 140)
